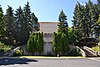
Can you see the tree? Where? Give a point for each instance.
(62, 25)
(24, 24)
(57, 43)
(98, 5)
(35, 23)
(65, 46)
(60, 43)
(30, 44)
(85, 18)
(60, 40)
(40, 42)
(29, 21)
(35, 43)
(9, 21)
(20, 27)
(97, 28)
(2, 26)
(9, 25)
(27, 18)
(73, 35)
(79, 19)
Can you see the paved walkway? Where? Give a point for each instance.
(48, 62)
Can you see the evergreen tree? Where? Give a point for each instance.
(2, 26)
(35, 43)
(97, 28)
(30, 44)
(35, 23)
(40, 42)
(60, 43)
(98, 5)
(29, 21)
(62, 25)
(73, 35)
(9, 25)
(65, 46)
(20, 27)
(9, 21)
(57, 43)
(75, 23)
(85, 18)
(27, 18)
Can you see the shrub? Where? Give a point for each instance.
(18, 53)
(1, 50)
(75, 52)
(4, 47)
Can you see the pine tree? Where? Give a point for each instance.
(30, 44)
(85, 18)
(20, 27)
(9, 25)
(40, 42)
(62, 25)
(57, 43)
(27, 18)
(2, 26)
(65, 46)
(97, 28)
(78, 19)
(98, 5)
(9, 21)
(35, 23)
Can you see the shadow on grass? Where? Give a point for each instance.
(11, 61)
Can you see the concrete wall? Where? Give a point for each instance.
(48, 39)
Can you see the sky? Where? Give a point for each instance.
(46, 10)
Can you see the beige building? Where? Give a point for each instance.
(48, 28)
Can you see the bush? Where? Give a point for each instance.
(4, 47)
(75, 52)
(96, 48)
(1, 50)
(18, 53)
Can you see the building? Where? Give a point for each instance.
(48, 28)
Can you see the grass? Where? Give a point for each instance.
(50, 57)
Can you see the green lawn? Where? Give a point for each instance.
(50, 57)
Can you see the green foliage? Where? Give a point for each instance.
(18, 53)
(85, 18)
(40, 42)
(73, 35)
(2, 28)
(9, 22)
(65, 46)
(97, 28)
(62, 25)
(30, 44)
(60, 43)
(96, 48)
(35, 42)
(75, 52)
(60, 40)
(1, 50)
(4, 47)
(18, 25)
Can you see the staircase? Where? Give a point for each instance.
(10, 52)
(82, 51)
(89, 52)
